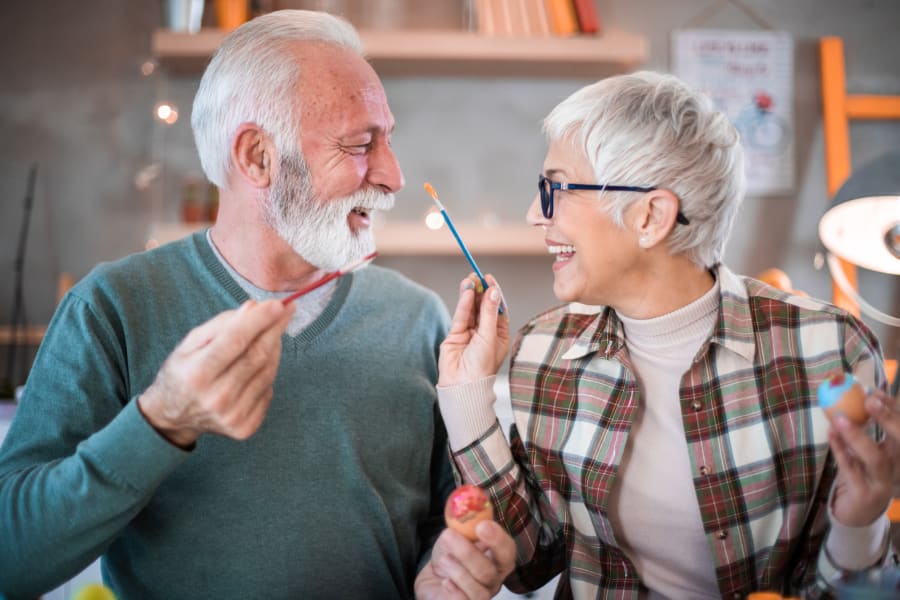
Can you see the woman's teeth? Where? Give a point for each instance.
(562, 252)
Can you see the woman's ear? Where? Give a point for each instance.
(252, 154)
(662, 210)
(655, 216)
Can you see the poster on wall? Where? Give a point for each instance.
(750, 77)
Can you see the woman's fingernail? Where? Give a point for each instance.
(875, 404)
(495, 295)
(840, 420)
(468, 285)
(479, 288)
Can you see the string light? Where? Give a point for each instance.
(434, 220)
(166, 112)
(148, 68)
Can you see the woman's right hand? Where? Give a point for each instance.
(479, 334)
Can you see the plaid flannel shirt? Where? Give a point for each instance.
(758, 445)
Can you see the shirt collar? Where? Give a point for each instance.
(606, 335)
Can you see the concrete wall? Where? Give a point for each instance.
(73, 99)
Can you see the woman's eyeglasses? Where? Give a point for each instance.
(548, 187)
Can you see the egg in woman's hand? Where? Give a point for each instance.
(843, 393)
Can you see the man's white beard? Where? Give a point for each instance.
(318, 230)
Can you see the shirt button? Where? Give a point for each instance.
(696, 405)
(721, 534)
(737, 596)
(704, 470)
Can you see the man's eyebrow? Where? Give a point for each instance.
(372, 129)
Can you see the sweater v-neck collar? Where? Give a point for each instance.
(309, 333)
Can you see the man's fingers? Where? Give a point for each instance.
(202, 334)
(263, 350)
(259, 407)
(245, 388)
(239, 333)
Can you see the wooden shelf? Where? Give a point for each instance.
(448, 53)
(414, 239)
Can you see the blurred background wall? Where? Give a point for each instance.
(73, 100)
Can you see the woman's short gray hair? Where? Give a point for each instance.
(253, 77)
(651, 129)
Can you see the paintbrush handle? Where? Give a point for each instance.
(311, 287)
(317, 284)
(466, 253)
(462, 247)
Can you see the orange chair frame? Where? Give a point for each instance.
(838, 108)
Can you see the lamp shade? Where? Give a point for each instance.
(863, 224)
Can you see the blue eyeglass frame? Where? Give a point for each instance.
(547, 186)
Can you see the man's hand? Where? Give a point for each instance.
(219, 378)
(464, 570)
(478, 339)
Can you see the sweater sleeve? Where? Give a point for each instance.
(442, 477)
(79, 460)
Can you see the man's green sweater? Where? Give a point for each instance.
(338, 495)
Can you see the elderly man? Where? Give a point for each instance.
(276, 452)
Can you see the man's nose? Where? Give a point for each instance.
(384, 170)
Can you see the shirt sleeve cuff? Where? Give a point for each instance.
(855, 548)
(467, 410)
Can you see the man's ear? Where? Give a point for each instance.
(252, 153)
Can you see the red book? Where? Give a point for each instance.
(588, 19)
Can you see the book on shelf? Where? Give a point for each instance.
(512, 18)
(485, 17)
(587, 15)
(535, 12)
(562, 17)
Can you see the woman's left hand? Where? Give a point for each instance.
(868, 470)
(884, 411)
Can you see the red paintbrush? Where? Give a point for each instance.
(348, 269)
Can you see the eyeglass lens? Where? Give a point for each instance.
(546, 188)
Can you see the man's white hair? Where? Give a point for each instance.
(253, 77)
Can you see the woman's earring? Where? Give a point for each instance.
(644, 241)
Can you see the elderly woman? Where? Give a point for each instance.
(666, 438)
